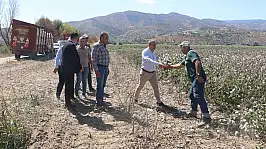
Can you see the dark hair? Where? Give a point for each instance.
(74, 35)
(103, 34)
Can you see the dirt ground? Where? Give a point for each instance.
(29, 86)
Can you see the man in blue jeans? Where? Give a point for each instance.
(101, 60)
(84, 55)
(197, 76)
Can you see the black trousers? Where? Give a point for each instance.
(61, 82)
(69, 88)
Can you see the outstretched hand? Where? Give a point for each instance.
(55, 70)
(165, 66)
(162, 66)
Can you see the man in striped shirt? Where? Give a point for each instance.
(101, 60)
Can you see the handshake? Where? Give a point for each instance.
(165, 66)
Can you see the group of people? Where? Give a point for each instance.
(79, 59)
(76, 58)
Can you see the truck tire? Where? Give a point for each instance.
(17, 56)
(33, 55)
(47, 52)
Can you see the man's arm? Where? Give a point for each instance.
(198, 66)
(90, 61)
(95, 59)
(176, 66)
(146, 57)
(77, 58)
(193, 56)
(58, 57)
(198, 69)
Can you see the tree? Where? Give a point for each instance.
(45, 22)
(7, 13)
(68, 29)
(59, 28)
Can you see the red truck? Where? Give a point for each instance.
(66, 36)
(29, 39)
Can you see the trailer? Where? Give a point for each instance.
(29, 39)
(66, 36)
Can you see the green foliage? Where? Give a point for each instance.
(260, 147)
(68, 29)
(12, 134)
(59, 28)
(4, 49)
(45, 22)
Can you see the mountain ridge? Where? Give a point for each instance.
(130, 25)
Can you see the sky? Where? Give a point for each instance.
(70, 10)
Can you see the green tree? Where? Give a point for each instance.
(68, 29)
(45, 22)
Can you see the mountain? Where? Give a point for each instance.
(130, 25)
(249, 24)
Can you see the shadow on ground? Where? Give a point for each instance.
(83, 109)
(169, 110)
(86, 106)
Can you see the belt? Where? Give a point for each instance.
(102, 65)
(147, 71)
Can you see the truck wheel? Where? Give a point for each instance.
(17, 56)
(33, 55)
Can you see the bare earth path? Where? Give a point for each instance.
(29, 88)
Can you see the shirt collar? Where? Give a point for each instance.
(101, 44)
(151, 50)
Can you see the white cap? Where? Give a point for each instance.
(184, 44)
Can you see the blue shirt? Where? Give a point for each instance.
(58, 58)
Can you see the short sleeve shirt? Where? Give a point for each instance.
(189, 63)
(83, 55)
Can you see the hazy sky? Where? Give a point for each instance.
(70, 10)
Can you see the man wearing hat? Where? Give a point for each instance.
(84, 55)
(90, 66)
(197, 76)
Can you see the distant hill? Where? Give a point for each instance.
(132, 25)
(249, 24)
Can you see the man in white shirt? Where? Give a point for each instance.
(148, 72)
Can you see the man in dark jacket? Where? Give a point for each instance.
(70, 66)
